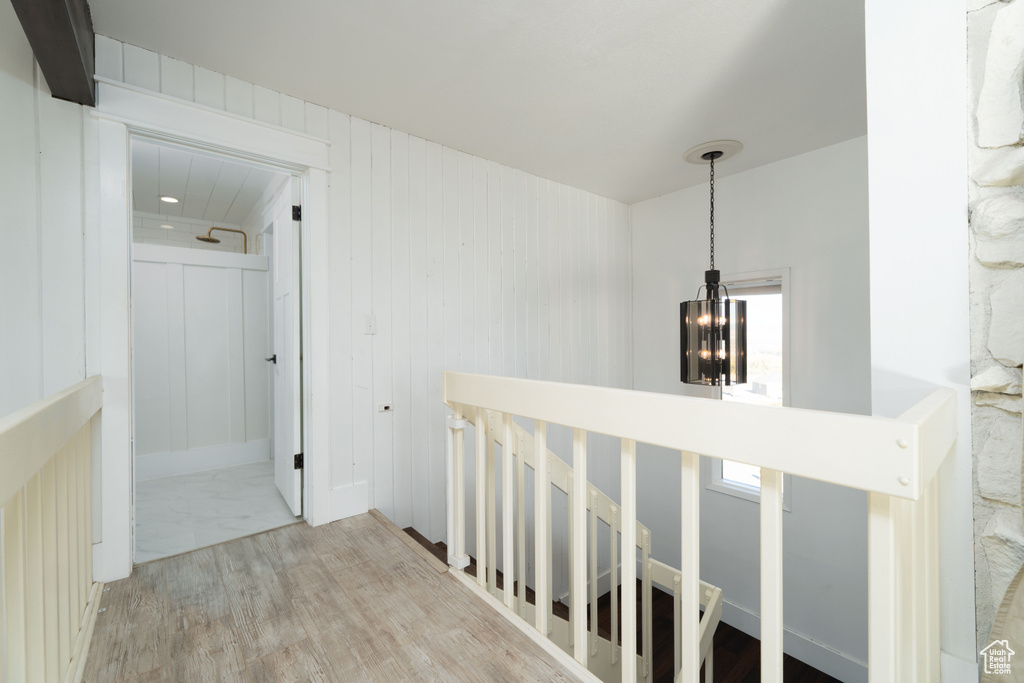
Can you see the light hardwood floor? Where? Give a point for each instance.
(342, 602)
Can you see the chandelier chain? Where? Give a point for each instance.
(712, 213)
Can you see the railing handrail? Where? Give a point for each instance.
(29, 437)
(892, 456)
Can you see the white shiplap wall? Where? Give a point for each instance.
(43, 261)
(464, 264)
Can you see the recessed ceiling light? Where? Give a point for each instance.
(167, 227)
(168, 198)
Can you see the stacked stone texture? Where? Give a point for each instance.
(996, 78)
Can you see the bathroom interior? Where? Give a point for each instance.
(205, 352)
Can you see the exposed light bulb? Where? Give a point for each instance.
(169, 199)
(705, 353)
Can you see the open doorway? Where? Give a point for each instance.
(216, 333)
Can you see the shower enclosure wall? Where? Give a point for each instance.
(202, 386)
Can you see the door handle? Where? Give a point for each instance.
(272, 359)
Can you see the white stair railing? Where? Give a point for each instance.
(49, 597)
(895, 460)
(604, 654)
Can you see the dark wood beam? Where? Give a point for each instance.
(60, 33)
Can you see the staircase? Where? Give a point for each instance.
(605, 654)
(894, 460)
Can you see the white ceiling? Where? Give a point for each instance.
(600, 94)
(208, 187)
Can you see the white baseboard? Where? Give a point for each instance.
(348, 501)
(956, 670)
(157, 465)
(822, 657)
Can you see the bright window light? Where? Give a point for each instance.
(764, 366)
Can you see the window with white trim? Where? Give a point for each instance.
(766, 373)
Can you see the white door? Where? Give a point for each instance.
(287, 369)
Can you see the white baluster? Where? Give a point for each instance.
(647, 612)
(507, 498)
(481, 497)
(492, 502)
(677, 631)
(688, 649)
(593, 573)
(456, 491)
(771, 576)
(615, 582)
(542, 499)
(628, 494)
(521, 522)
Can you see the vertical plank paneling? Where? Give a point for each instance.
(421, 405)
(556, 275)
(481, 343)
(566, 280)
(583, 299)
(176, 78)
(380, 217)
(603, 294)
(60, 259)
(572, 265)
(236, 361)
(108, 58)
(209, 88)
(435, 325)
(771, 576)
(14, 588)
(141, 68)
(362, 285)
(594, 328)
(494, 281)
(341, 324)
(508, 295)
(532, 281)
(293, 113)
(238, 96)
(543, 270)
(401, 351)
(467, 264)
(522, 226)
(266, 105)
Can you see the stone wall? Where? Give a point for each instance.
(996, 82)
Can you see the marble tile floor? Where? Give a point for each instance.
(178, 514)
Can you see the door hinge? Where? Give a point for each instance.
(296, 213)
(298, 461)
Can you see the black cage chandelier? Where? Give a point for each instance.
(713, 330)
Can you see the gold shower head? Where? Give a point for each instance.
(213, 240)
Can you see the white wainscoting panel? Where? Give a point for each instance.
(201, 334)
